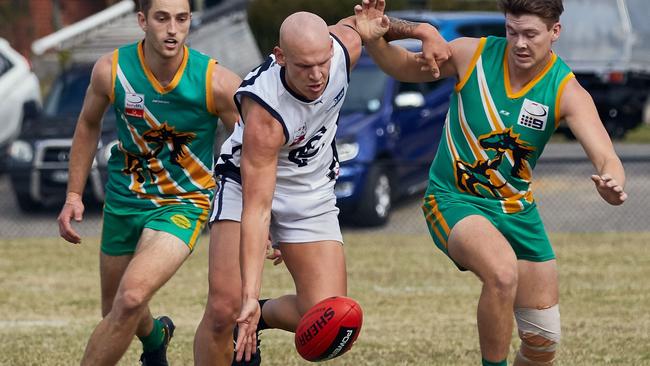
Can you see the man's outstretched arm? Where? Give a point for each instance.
(84, 145)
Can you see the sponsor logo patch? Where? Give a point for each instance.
(337, 99)
(134, 105)
(181, 221)
(533, 115)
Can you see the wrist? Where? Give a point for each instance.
(425, 32)
(72, 196)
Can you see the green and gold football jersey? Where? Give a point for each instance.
(493, 136)
(166, 133)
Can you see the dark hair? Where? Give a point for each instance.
(549, 10)
(145, 5)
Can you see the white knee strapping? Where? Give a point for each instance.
(542, 322)
(539, 330)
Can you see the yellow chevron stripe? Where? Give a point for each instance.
(152, 78)
(558, 97)
(197, 230)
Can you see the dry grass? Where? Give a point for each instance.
(419, 310)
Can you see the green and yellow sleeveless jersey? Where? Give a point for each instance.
(493, 136)
(166, 133)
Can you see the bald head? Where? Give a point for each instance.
(303, 29)
(305, 52)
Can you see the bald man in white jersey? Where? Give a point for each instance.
(281, 162)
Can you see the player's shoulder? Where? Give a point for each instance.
(102, 74)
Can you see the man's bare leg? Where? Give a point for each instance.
(213, 342)
(158, 256)
(475, 244)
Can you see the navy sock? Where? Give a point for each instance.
(261, 325)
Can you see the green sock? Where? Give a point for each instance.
(155, 338)
(500, 363)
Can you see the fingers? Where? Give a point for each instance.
(385, 21)
(381, 5)
(65, 228)
(241, 342)
(428, 64)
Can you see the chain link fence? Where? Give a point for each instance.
(567, 200)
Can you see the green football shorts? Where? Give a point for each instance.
(524, 230)
(123, 226)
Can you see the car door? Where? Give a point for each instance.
(418, 114)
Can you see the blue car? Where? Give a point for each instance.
(388, 132)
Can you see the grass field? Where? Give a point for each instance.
(419, 310)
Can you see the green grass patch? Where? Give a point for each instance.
(419, 310)
(639, 135)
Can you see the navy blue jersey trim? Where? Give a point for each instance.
(345, 52)
(220, 200)
(283, 77)
(268, 62)
(264, 105)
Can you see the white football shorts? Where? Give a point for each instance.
(294, 218)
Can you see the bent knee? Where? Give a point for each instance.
(130, 301)
(504, 281)
(221, 314)
(540, 333)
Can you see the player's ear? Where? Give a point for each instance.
(556, 29)
(279, 56)
(142, 21)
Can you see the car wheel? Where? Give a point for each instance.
(26, 203)
(375, 206)
(615, 130)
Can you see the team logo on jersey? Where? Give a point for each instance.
(533, 115)
(337, 99)
(301, 155)
(134, 105)
(164, 135)
(299, 134)
(469, 177)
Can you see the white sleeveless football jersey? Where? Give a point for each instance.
(307, 162)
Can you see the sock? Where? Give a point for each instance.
(155, 339)
(261, 325)
(489, 363)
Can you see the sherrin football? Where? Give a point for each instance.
(328, 329)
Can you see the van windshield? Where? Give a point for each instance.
(67, 94)
(367, 86)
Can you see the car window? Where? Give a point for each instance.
(367, 85)
(5, 64)
(424, 88)
(478, 30)
(409, 87)
(67, 95)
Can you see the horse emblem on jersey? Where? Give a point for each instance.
(301, 155)
(161, 136)
(470, 176)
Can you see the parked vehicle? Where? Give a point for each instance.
(38, 158)
(18, 86)
(607, 44)
(389, 131)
